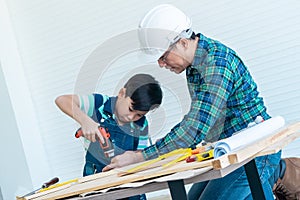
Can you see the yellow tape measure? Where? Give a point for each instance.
(58, 185)
(164, 156)
(205, 155)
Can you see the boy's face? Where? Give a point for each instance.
(123, 110)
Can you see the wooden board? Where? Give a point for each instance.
(115, 180)
(97, 176)
(258, 146)
(278, 146)
(252, 150)
(170, 160)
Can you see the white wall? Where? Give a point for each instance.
(14, 170)
(50, 45)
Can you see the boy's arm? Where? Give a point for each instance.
(69, 104)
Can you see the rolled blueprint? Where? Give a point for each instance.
(248, 136)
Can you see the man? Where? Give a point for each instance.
(224, 100)
(122, 116)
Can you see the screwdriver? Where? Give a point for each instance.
(45, 185)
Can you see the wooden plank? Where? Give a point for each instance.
(161, 160)
(115, 180)
(277, 142)
(150, 165)
(279, 145)
(155, 186)
(253, 149)
(158, 184)
(221, 162)
(40, 194)
(97, 176)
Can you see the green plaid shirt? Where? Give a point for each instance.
(224, 99)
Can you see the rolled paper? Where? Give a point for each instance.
(248, 136)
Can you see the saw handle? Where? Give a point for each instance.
(51, 182)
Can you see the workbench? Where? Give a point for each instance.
(176, 187)
(211, 169)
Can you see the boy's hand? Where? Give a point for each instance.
(127, 158)
(91, 132)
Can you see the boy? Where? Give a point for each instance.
(123, 117)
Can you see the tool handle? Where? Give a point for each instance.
(59, 185)
(78, 133)
(51, 182)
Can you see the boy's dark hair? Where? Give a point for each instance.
(144, 91)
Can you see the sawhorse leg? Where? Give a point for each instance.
(177, 190)
(254, 181)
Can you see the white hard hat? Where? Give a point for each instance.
(161, 27)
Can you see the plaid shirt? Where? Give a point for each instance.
(224, 99)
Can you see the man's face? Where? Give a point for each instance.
(123, 110)
(173, 59)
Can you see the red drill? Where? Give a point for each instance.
(107, 146)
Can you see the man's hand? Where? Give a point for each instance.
(127, 158)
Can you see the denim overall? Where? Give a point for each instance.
(124, 138)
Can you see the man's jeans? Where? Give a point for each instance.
(235, 185)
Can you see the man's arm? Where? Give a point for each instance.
(206, 113)
(70, 105)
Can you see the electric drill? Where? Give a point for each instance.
(107, 146)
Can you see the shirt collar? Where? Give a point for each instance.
(109, 106)
(201, 51)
